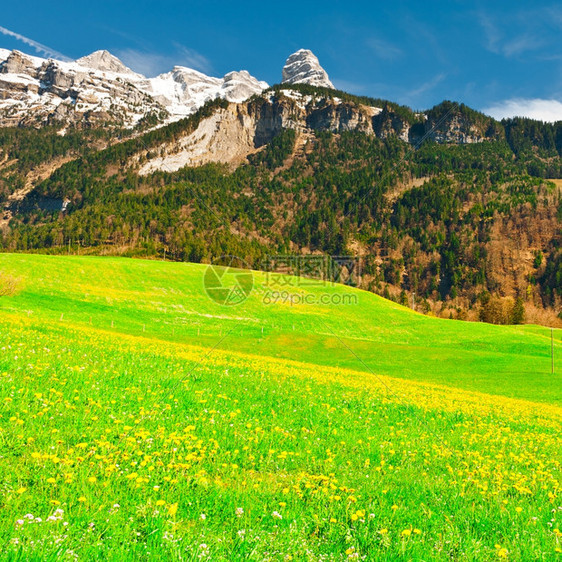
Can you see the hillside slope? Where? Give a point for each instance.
(301, 319)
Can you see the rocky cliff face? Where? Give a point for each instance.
(453, 123)
(232, 134)
(228, 136)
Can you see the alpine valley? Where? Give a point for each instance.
(446, 210)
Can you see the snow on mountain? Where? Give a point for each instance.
(182, 90)
(239, 86)
(99, 89)
(36, 91)
(105, 61)
(303, 67)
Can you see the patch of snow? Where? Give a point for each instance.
(301, 100)
(18, 78)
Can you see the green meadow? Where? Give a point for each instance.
(139, 419)
(354, 329)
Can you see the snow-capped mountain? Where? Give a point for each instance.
(184, 90)
(99, 89)
(303, 67)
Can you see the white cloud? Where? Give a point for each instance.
(522, 44)
(152, 64)
(193, 59)
(542, 110)
(524, 34)
(383, 49)
(413, 95)
(40, 48)
(491, 32)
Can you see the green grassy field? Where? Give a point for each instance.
(140, 419)
(167, 301)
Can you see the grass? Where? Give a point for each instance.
(342, 432)
(167, 301)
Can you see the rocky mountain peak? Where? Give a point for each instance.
(303, 67)
(17, 63)
(104, 61)
(240, 85)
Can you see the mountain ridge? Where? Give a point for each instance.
(99, 89)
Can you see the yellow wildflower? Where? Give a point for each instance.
(173, 509)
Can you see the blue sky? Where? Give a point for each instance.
(501, 57)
